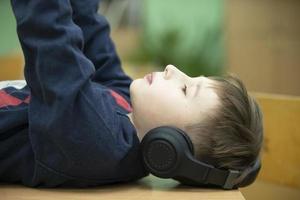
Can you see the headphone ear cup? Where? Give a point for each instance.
(163, 149)
(187, 139)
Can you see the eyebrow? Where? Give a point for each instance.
(198, 87)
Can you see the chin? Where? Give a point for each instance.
(138, 87)
(133, 86)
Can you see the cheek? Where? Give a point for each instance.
(158, 96)
(156, 105)
(162, 104)
(153, 99)
(146, 98)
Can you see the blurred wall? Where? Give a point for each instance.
(263, 44)
(263, 49)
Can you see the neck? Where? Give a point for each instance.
(131, 117)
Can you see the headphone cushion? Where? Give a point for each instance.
(161, 155)
(163, 148)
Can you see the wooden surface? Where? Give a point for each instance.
(281, 155)
(262, 190)
(147, 188)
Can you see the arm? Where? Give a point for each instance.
(74, 129)
(96, 30)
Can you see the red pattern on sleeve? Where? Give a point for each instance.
(9, 100)
(121, 101)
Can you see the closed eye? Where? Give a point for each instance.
(184, 89)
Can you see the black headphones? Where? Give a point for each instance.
(168, 153)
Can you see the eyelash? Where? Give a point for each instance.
(184, 89)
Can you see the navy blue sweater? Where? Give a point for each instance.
(68, 126)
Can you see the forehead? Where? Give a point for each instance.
(205, 83)
(206, 94)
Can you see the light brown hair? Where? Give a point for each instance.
(231, 135)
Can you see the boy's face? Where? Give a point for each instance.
(164, 102)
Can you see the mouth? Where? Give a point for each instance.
(149, 78)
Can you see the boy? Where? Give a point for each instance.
(73, 123)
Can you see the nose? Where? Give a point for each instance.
(171, 71)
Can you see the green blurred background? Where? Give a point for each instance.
(8, 41)
(187, 34)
